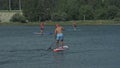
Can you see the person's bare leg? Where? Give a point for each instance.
(41, 32)
(62, 43)
(74, 28)
(57, 43)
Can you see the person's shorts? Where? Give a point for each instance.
(75, 26)
(59, 37)
(42, 28)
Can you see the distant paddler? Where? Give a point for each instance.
(42, 27)
(74, 25)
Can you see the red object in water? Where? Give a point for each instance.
(58, 49)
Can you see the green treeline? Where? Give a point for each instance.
(64, 10)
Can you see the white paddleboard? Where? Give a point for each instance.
(61, 48)
(38, 33)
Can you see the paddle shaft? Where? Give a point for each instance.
(51, 45)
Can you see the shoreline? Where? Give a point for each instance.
(51, 23)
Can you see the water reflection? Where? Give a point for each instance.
(59, 59)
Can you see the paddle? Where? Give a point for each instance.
(51, 44)
(50, 47)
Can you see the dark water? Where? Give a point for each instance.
(89, 47)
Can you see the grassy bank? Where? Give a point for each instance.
(80, 22)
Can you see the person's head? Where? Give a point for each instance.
(57, 25)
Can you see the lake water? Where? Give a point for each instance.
(89, 47)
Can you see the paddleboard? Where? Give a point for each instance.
(38, 33)
(61, 48)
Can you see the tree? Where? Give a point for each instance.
(86, 11)
(38, 9)
(100, 14)
(4, 5)
(111, 12)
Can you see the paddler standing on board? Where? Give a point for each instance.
(58, 33)
(41, 27)
(74, 25)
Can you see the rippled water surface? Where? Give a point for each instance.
(89, 47)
